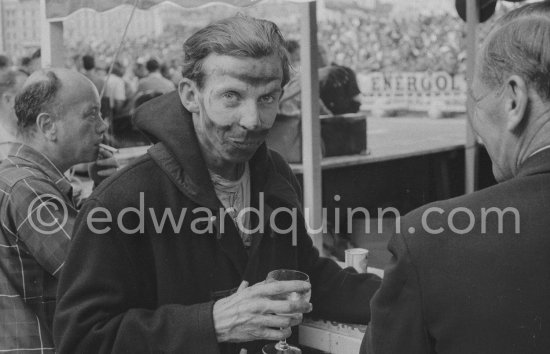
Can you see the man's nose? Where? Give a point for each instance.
(101, 126)
(250, 116)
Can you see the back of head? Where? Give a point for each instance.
(88, 62)
(338, 89)
(118, 69)
(519, 45)
(152, 65)
(37, 96)
(237, 36)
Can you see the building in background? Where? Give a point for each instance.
(110, 25)
(20, 27)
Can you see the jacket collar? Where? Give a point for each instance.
(21, 155)
(536, 164)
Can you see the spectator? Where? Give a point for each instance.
(469, 274)
(115, 89)
(59, 126)
(183, 290)
(338, 89)
(88, 65)
(154, 81)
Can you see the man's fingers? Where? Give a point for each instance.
(296, 319)
(278, 321)
(105, 153)
(111, 161)
(289, 307)
(107, 172)
(272, 334)
(281, 287)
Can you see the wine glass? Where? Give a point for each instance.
(282, 347)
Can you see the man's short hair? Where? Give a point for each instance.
(35, 98)
(152, 65)
(88, 62)
(519, 45)
(237, 36)
(118, 69)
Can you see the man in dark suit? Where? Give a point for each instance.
(472, 274)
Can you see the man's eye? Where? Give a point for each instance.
(230, 96)
(267, 99)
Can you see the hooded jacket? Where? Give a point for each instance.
(133, 286)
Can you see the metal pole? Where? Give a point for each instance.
(52, 52)
(471, 148)
(311, 129)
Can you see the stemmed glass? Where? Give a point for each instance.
(282, 347)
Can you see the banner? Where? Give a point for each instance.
(413, 91)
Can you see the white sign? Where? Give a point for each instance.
(413, 91)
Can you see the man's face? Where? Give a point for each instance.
(237, 105)
(80, 127)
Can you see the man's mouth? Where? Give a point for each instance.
(245, 143)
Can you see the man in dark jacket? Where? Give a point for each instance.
(164, 252)
(471, 274)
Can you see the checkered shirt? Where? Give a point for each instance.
(37, 215)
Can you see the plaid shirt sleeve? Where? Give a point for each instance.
(41, 220)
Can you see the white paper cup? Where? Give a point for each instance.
(357, 258)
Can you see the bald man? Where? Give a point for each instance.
(59, 125)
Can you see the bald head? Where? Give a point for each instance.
(46, 91)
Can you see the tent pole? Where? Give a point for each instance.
(52, 49)
(311, 129)
(471, 148)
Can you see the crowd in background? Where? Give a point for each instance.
(374, 43)
(368, 43)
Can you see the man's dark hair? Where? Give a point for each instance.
(337, 89)
(152, 65)
(237, 36)
(88, 62)
(35, 98)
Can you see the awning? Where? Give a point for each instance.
(63, 8)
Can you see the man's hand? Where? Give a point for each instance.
(252, 313)
(105, 166)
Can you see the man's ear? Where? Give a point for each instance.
(517, 99)
(189, 97)
(45, 124)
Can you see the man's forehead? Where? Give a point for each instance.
(254, 71)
